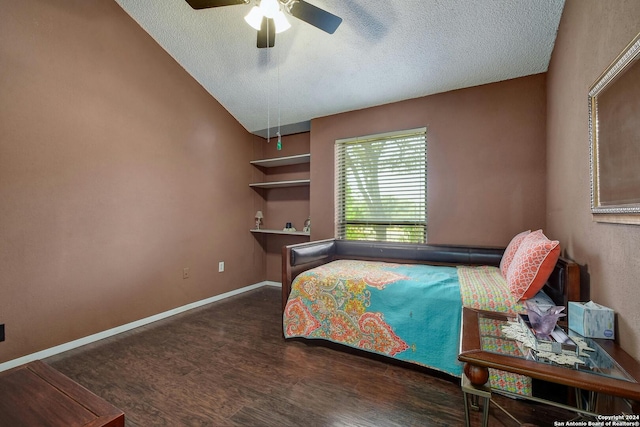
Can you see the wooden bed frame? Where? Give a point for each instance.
(563, 284)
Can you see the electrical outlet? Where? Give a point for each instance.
(220, 266)
(185, 273)
(2, 332)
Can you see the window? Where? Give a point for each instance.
(381, 187)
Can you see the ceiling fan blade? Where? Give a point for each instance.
(205, 4)
(267, 33)
(315, 16)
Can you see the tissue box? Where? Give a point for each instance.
(591, 320)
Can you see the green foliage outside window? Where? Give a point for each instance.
(381, 190)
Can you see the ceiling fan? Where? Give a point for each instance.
(268, 16)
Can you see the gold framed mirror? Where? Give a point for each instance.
(614, 131)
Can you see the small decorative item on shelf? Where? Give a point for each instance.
(543, 319)
(259, 217)
(307, 225)
(289, 228)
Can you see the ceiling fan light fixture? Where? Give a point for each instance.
(270, 8)
(254, 17)
(281, 22)
(275, 11)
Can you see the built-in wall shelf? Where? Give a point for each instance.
(277, 184)
(291, 233)
(298, 159)
(283, 161)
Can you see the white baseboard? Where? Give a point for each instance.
(270, 283)
(119, 329)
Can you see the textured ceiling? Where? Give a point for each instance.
(384, 51)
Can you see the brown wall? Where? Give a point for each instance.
(486, 167)
(591, 34)
(116, 171)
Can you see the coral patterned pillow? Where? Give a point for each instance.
(510, 252)
(532, 265)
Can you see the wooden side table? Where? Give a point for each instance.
(37, 395)
(612, 372)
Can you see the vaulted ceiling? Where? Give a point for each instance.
(384, 51)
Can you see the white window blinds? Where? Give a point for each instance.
(381, 187)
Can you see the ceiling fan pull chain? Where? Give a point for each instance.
(279, 144)
(268, 90)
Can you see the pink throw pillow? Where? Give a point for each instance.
(532, 265)
(510, 252)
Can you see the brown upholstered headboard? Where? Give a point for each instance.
(563, 284)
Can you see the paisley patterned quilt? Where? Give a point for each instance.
(408, 312)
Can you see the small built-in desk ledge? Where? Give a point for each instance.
(276, 184)
(270, 231)
(283, 161)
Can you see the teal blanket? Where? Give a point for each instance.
(408, 312)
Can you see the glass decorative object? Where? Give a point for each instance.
(543, 318)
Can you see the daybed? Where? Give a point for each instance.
(374, 296)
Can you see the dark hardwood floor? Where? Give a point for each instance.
(226, 364)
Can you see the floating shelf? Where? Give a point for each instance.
(276, 184)
(290, 233)
(283, 161)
